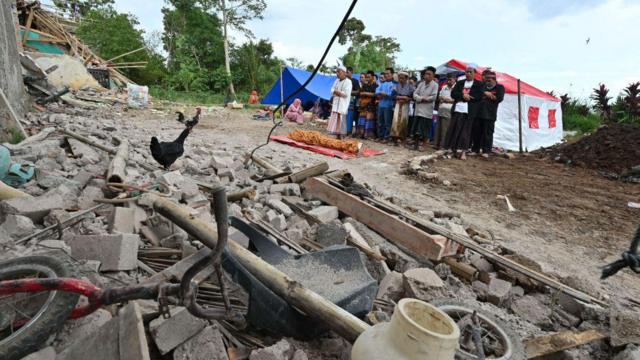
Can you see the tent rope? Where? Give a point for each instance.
(313, 74)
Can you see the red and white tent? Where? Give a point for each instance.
(541, 112)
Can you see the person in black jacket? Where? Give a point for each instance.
(467, 94)
(484, 124)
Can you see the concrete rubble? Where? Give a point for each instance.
(124, 243)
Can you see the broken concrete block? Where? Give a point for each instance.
(171, 332)
(5, 238)
(285, 189)
(90, 193)
(18, 226)
(84, 152)
(206, 345)
(423, 284)
(279, 222)
(480, 263)
(69, 194)
(391, 287)
(88, 325)
(498, 291)
(221, 162)
(235, 210)
(631, 352)
(270, 216)
(295, 235)
(325, 213)
(332, 233)
(279, 206)
(300, 355)
(121, 338)
(281, 350)
(227, 173)
(116, 252)
(34, 208)
(532, 310)
(122, 220)
(48, 353)
(625, 326)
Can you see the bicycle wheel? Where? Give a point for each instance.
(498, 340)
(28, 319)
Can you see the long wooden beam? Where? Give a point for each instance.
(550, 344)
(406, 236)
(337, 319)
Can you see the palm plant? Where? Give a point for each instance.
(631, 99)
(601, 98)
(564, 100)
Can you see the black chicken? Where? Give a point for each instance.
(166, 153)
(189, 123)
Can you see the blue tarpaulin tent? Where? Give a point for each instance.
(319, 87)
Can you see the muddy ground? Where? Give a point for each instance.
(569, 219)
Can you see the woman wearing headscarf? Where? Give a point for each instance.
(295, 112)
(341, 92)
(367, 122)
(402, 93)
(467, 94)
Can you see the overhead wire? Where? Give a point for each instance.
(303, 86)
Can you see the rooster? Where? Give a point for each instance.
(166, 153)
(189, 123)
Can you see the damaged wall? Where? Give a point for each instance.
(10, 69)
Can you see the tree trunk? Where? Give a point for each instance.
(227, 63)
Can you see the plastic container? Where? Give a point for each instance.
(417, 331)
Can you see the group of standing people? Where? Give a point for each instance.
(395, 109)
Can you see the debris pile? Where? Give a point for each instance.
(112, 235)
(613, 150)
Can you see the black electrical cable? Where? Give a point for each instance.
(313, 74)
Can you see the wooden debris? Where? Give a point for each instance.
(336, 318)
(304, 174)
(550, 344)
(461, 269)
(406, 236)
(116, 172)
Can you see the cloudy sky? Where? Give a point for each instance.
(541, 41)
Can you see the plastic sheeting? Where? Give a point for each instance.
(537, 131)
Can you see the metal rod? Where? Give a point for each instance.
(55, 226)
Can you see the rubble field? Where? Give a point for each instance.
(568, 222)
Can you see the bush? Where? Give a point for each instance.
(192, 97)
(580, 123)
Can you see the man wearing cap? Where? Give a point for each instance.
(484, 125)
(341, 96)
(403, 94)
(444, 111)
(425, 99)
(467, 94)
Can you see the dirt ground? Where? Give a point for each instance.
(569, 219)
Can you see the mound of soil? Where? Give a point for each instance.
(612, 148)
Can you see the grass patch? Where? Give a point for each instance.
(15, 136)
(192, 97)
(580, 123)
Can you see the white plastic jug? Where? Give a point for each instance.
(417, 331)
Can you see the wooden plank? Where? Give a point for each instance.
(408, 237)
(27, 27)
(550, 344)
(490, 255)
(12, 114)
(304, 174)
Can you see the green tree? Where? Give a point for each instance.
(255, 67)
(235, 14)
(295, 62)
(365, 51)
(601, 97)
(82, 7)
(110, 34)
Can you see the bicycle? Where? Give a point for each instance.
(38, 294)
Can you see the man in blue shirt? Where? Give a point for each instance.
(384, 92)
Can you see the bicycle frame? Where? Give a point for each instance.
(186, 290)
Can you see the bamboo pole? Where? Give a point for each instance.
(249, 193)
(118, 166)
(304, 174)
(312, 304)
(519, 118)
(27, 28)
(127, 53)
(88, 141)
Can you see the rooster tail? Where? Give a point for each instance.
(180, 116)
